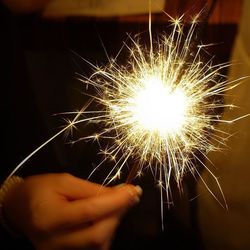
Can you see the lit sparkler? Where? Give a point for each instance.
(158, 110)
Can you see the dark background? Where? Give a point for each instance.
(39, 59)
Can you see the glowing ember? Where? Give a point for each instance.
(157, 108)
(158, 111)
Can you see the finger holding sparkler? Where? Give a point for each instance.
(58, 211)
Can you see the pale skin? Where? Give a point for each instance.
(60, 211)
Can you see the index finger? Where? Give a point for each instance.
(117, 200)
(75, 188)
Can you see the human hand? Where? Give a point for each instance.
(60, 211)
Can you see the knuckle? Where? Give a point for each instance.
(90, 213)
(40, 221)
(64, 179)
(66, 176)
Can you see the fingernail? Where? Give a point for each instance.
(135, 193)
(139, 190)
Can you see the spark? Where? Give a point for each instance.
(157, 111)
(160, 110)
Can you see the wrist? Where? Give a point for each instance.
(5, 191)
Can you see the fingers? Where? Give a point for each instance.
(74, 188)
(97, 236)
(70, 213)
(114, 201)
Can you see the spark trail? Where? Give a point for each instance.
(157, 111)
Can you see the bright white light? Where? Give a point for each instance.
(158, 108)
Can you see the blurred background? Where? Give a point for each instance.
(41, 47)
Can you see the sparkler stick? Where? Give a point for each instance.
(158, 110)
(132, 173)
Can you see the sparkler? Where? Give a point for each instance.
(158, 110)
